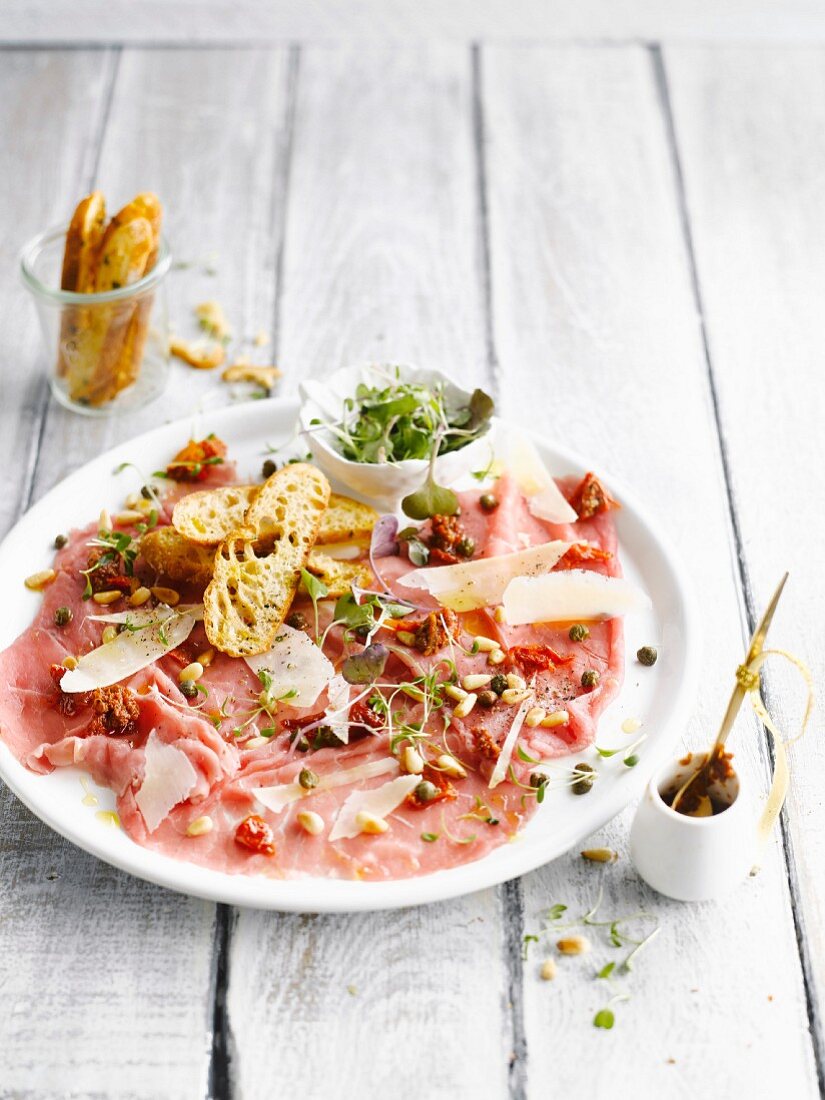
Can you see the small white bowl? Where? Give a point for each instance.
(382, 484)
(692, 858)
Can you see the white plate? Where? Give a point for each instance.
(661, 697)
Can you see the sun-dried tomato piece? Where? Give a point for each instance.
(446, 532)
(104, 571)
(442, 557)
(194, 461)
(361, 715)
(590, 497)
(433, 633)
(116, 711)
(254, 833)
(444, 789)
(537, 658)
(581, 552)
(484, 743)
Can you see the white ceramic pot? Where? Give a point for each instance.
(692, 858)
(383, 485)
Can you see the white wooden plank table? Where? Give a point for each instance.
(624, 243)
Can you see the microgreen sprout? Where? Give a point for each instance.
(316, 590)
(630, 759)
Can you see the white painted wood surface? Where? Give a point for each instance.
(365, 21)
(517, 216)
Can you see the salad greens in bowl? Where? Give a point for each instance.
(397, 434)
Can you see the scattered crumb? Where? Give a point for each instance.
(671, 1061)
(770, 996)
(261, 339)
(352, 990)
(200, 354)
(212, 320)
(265, 377)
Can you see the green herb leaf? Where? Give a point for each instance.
(365, 667)
(604, 1018)
(555, 912)
(430, 500)
(429, 838)
(606, 970)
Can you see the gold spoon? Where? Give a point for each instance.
(757, 644)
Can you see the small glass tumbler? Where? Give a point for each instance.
(108, 353)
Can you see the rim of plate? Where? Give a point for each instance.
(323, 895)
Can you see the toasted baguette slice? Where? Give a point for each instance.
(338, 576)
(148, 206)
(346, 520)
(82, 243)
(175, 558)
(258, 567)
(209, 516)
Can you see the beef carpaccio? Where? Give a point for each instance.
(226, 768)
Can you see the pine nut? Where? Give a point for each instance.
(600, 855)
(109, 634)
(573, 945)
(450, 766)
(535, 716)
(145, 507)
(200, 826)
(133, 500)
(497, 657)
(139, 596)
(166, 595)
(475, 681)
(128, 517)
(485, 645)
(547, 970)
(191, 672)
(38, 581)
(465, 706)
(515, 695)
(206, 658)
(557, 718)
(369, 823)
(455, 692)
(104, 522)
(107, 597)
(413, 761)
(514, 681)
(498, 614)
(255, 742)
(70, 663)
(313, 823)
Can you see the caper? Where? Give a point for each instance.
(426, 791)
(539, 780)
(585, 778)
(647, 655)
(297, 620)
(269, 467)
(307, 779)
(63, 616)
(499, 684)
(60, 541)
(325, 737)
(487, 699)
(578, 632)
(146, 492)
(488, 502)
(590, 678)
(466, 547)
(188, 688)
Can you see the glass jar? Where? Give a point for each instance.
(107, 353)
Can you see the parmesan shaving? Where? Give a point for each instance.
(298, 667)
(506, 754)
(544, 498)
(378, 802)
(474, 584)
(573, 595)
(337, 709)
(168, 778)
(161, 631)
(278, 797)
